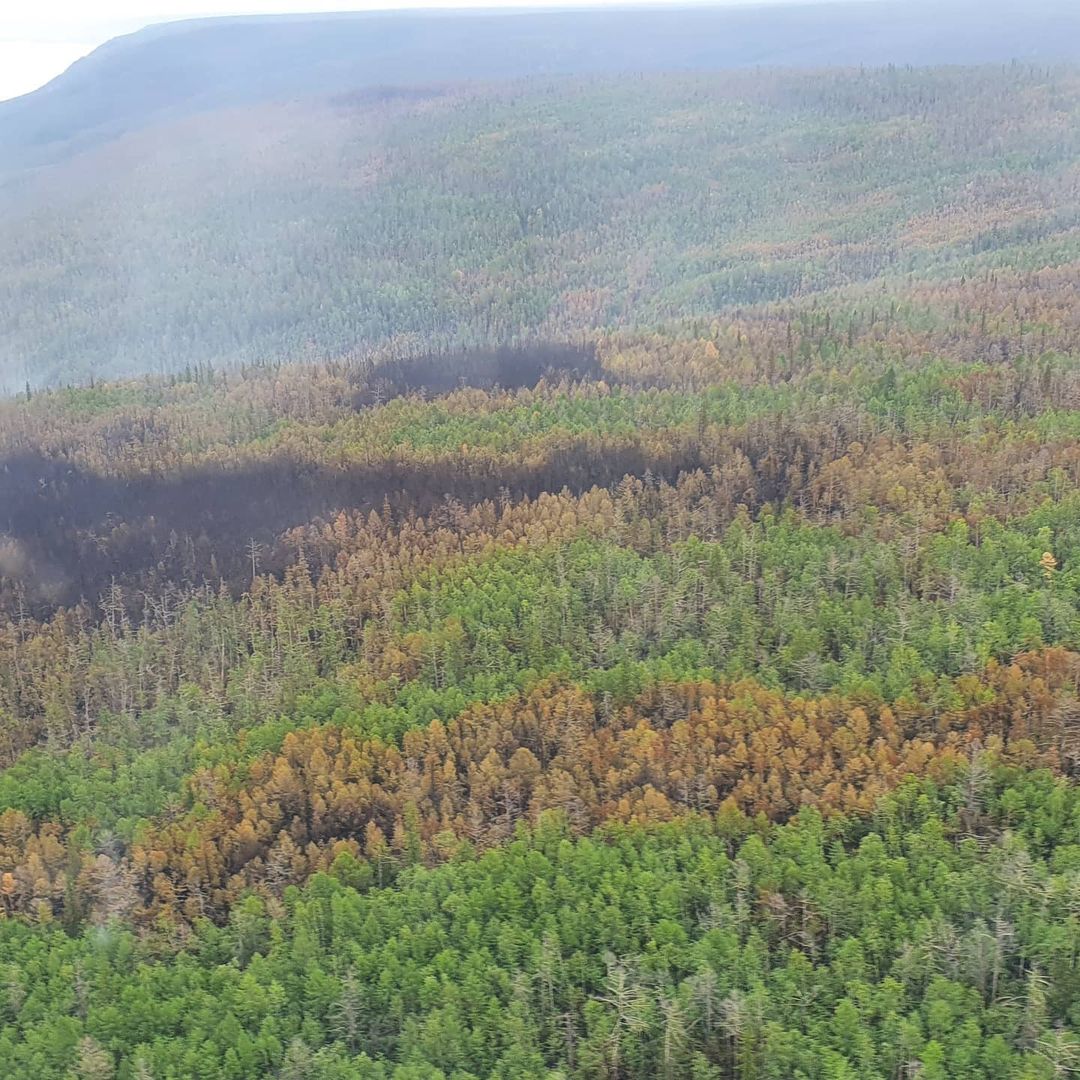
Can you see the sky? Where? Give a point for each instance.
(46, 36)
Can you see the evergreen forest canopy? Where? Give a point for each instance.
(652, 652)
(432, 214)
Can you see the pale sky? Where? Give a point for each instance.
(46, 36)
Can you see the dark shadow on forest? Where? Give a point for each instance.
(507, 368)
(66, 534)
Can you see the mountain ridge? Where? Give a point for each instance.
(173, 69)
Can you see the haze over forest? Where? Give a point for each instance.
(242, 190)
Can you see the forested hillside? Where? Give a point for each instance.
(437, 217)
(699, 702)
(583, 584)
(172, 70)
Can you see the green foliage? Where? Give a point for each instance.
(709, 948)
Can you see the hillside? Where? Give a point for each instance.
(438, 217)
(689, 704)
(172, 70)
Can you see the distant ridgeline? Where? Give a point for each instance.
(202, 222)
(171, 70)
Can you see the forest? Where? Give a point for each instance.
(684, 684)
(360, 225)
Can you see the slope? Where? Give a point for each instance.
(174, 70)
(445, 217)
